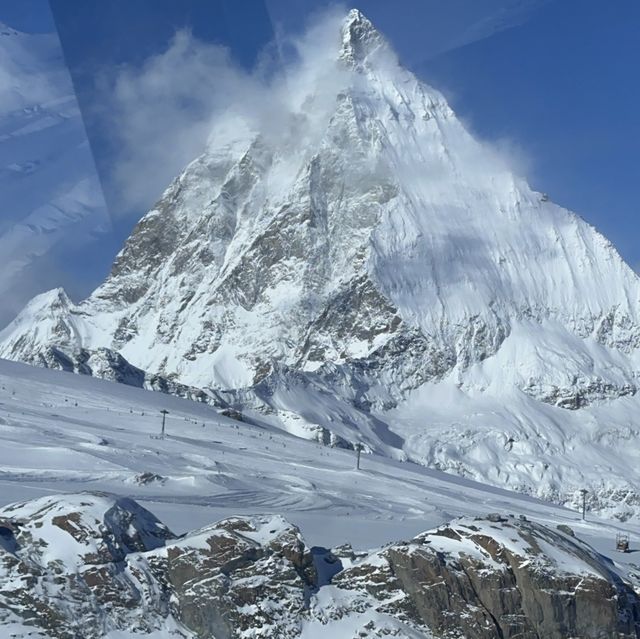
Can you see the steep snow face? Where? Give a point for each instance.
(50, 193)
(374, 214)
(348, 266)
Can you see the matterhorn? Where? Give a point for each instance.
(360, 269)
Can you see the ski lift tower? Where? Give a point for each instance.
(583, 492)
(164, 417)
(358, 448)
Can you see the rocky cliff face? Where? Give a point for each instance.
(373, 272)
(498, 577)
(87, 565)
(92, 564)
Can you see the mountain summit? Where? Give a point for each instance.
(364, 269)
(359, 38)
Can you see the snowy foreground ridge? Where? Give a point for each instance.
(93, 565)
(362, 269)
(305, 545)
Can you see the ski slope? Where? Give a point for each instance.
(61, 432)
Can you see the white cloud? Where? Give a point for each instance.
(163, 112)
(160, 114)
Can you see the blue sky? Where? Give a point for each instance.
(555, 81)
(31, 16)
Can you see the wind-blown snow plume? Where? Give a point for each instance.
(163, 112)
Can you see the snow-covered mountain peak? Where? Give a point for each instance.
(358, 268)
(359, 37)
(54, 300)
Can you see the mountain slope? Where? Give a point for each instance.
(90, 564)
(363, 269)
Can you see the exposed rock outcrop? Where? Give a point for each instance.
(499, 577)
(81, 566)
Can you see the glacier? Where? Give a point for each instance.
(361, 269)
